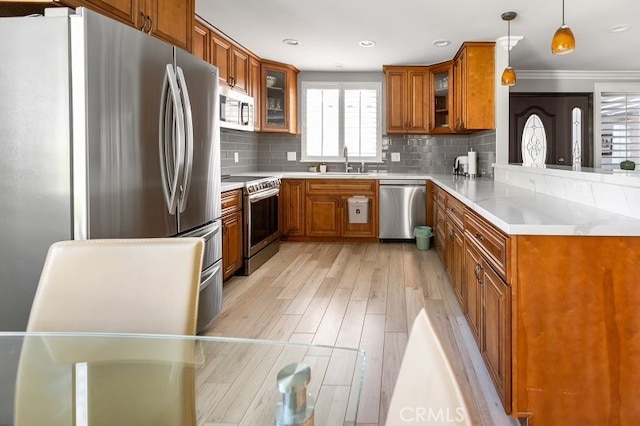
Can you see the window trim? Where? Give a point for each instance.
(597, 118)
(342, 86)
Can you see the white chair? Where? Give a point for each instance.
(426, 391)
(120, 286)
(112, 286)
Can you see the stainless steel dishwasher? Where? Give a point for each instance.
(402, 207)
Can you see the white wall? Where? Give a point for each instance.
(569, 81)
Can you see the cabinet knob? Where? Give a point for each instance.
(561, 160)
(232, 81)
(150, 25)
(478, 236)
(451, 234)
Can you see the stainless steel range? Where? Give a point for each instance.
(260, 207)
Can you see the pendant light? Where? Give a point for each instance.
(563, 41)
(509, 74)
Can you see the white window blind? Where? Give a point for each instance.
(619, 128)
(336, 115)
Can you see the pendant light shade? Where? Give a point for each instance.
(509, 74)
(509, 77)
(563, 41)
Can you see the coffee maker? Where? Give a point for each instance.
(461, 165)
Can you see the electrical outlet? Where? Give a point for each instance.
(291, 156)
(236, 157)
(395, 157)
(579, 187)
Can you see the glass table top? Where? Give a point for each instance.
(76, 379)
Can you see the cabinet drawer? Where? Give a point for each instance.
(231, 201)
(455, 210)
(341, 186)
(489, 241)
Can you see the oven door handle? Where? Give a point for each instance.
(262, 195)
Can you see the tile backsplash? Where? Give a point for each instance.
(421, 154)
(245, 144)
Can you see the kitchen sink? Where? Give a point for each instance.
(345, 173)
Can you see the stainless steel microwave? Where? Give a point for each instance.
(236, 110)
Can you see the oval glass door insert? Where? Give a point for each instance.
(534, 142)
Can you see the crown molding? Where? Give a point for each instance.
(577, 75)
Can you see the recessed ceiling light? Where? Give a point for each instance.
(367, 43)
(619, 28)
(441, 43)
(291, 41)
(338, 65)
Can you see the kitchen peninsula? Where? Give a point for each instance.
(547, 288)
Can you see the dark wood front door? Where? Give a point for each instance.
(555, 111)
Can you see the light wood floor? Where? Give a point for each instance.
(365, 296)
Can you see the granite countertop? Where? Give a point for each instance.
(514, 210)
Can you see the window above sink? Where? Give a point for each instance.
(339, 114)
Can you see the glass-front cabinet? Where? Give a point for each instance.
(441, 98)
(279, 97)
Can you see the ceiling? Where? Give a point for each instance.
(329, 31)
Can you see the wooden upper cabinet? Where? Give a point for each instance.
(396, 100)
(220, 56)
(172, 21)
(125, 10)
(200, 41)
(441, 98)
(240, 69)
(279, 92)
(169, 20)
(407, 93)
(232, 62)
(255, 88)
(473, 87)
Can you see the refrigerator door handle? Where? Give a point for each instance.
(171, 128)
(213, 231)
(208, 275)
(186, 105)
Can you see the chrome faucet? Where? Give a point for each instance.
(347, 168)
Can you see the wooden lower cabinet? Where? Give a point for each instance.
(323, 216)
(555, 318)
(439, 232)
(496, 328)
(292, 208)
(484, 297)
(473, 294)
(488, 313)
(231, 243)
(232, 232)
(576, 322)
(455, 261)
(317, 209)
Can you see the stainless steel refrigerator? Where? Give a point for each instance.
(105, 132)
